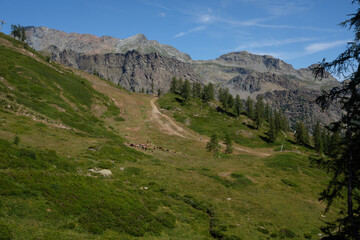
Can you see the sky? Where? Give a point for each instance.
(300, 32)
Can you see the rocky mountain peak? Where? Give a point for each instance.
(42, 38)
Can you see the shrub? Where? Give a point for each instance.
(289, 183)
(5, 232)
(287, 233)
(166, 219)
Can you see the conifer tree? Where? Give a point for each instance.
(208, 93)
(196, 90)
(238, 105)
(213, 144)
(228, 143)
(250, 108)
(174, 85)
(186, 90)
(267, 112)
(301, 134)
(259, 112)
(272, 134)
(230, 101)
(318, 138)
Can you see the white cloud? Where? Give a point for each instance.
(197, 29)
(206, 18)
(318, 47)
(162, 14)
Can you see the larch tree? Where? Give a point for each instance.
(344, 167)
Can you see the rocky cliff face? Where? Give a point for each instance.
(131, 70)
(243, 73)
(42, 38)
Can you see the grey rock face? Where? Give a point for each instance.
(131, 70)
(154, 64)
(42, 38)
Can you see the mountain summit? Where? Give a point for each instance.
(43, 38)
(139, 64)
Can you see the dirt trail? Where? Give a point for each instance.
(172, 128)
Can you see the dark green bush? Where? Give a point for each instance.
(166, 219)
(287, 233)
(5, 232)
(289, 182)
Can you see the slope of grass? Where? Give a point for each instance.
(207, 119)
(47, 190)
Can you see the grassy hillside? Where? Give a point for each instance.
(73, 165)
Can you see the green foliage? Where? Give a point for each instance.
(228, 144)
(166, 219)
(287, 233)
(16, 139)
(208, 93)
(18, 31)
(5, 232)
(272, 133)
(196, 90)
(213, 144)
(186, 90)
(289, 182)
(20, 158)
(301, 134)
(259, 112)
(238, 104)
(318, 138)
(250, 108)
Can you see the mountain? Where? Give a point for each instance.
(293, 91)
(152, 64)
(131, 70)
(42, 38)
(81, 158)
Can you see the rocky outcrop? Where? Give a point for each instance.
(154, 64)
(132, 70)
(42, 38)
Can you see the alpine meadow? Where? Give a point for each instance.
(109, 138)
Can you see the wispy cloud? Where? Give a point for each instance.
(197, 29)
(162, 14)
(272, 43)
(206, 18)
(318, 47)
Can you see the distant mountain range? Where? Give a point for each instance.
(137, 63)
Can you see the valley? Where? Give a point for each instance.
(71, 124)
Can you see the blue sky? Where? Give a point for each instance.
(301, 32)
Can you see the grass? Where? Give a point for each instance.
(207, 119)
(48, 192)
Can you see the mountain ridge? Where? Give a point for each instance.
(242, 73)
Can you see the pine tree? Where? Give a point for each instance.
(228, 144)
(174, 85)
(23, 34)
(186, 90)
(250, 108)
(238, 105)
(318, 138)
(159, 92)
(259, 112)
(345, 167)
(213, 144)
(267, 112)
(230, 101)
(208, 93)
(301, 134)
(196, 90)
(272, 134)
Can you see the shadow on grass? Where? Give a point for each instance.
(220, 110)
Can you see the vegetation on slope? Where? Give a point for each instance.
(55, 127)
